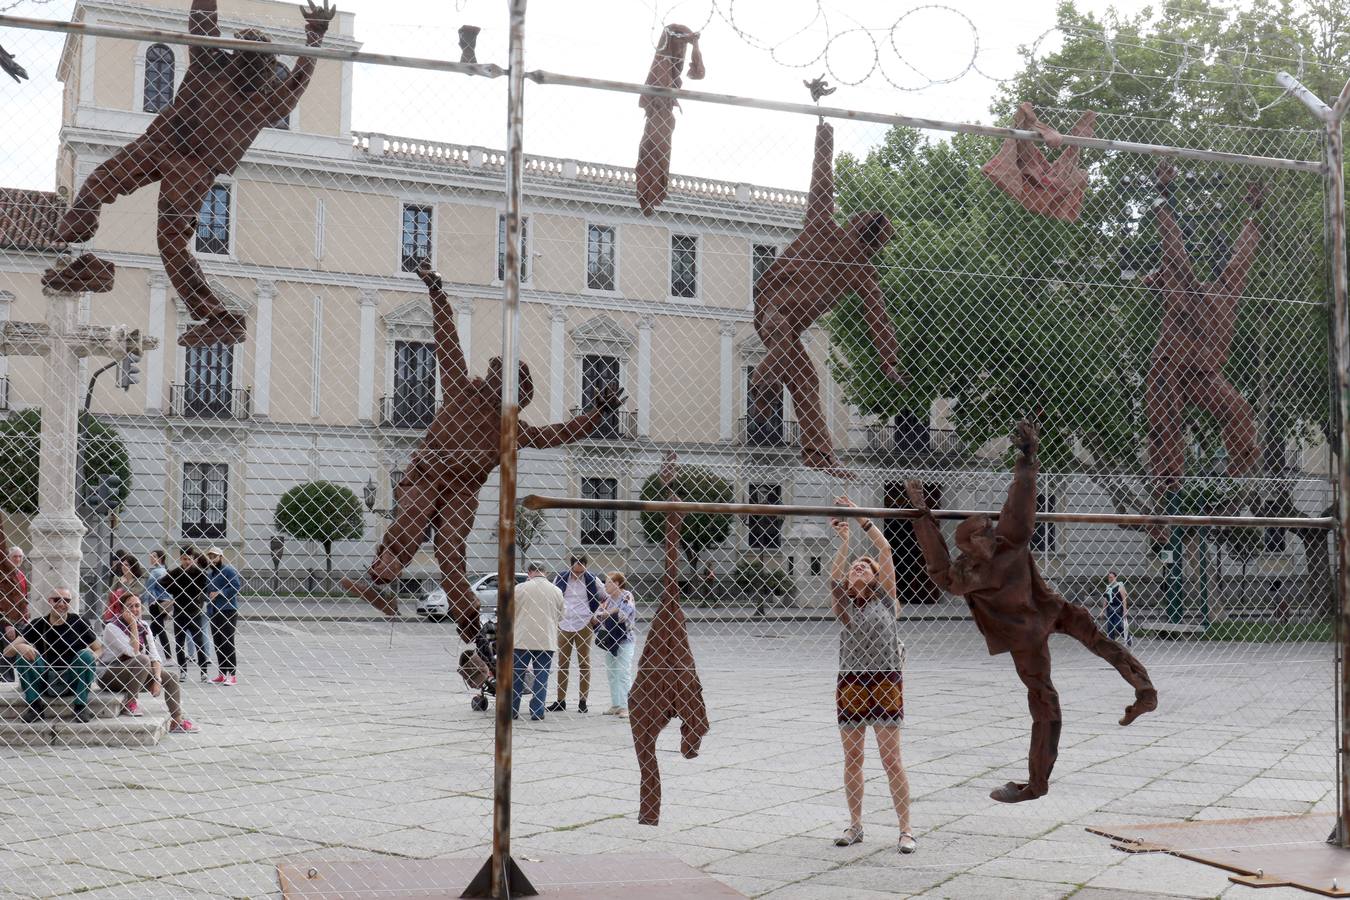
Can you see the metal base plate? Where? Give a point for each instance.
(1269, 851)
(607, 876)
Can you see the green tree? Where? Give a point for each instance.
(698, 531)
(99, 445)
(321, 511)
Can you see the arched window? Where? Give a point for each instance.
(158, 91)
(282, 122)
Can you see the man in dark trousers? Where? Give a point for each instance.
(581, 598)
(1017, 611)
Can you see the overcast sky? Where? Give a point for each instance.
(613, 39)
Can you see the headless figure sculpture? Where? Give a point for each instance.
(826, 262)
(450, 465)
(667, 685)
(1017, 611)
(1194, 338)
(1020, 169)
(224, 102)
(653, 163)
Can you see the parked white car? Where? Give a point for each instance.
(435, 607)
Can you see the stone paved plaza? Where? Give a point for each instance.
(354, 740)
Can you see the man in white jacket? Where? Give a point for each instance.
(539, 606)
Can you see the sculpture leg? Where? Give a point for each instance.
(1164, 405)
(693, 712)
(180, 199)
(451, 537)
(1033, 667)
(1077, 623)
(786, 363)
(127, 170)
(646, 721)
(1212, 393)
(416, 498)
(653, 164)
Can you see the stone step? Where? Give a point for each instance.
(103, 704)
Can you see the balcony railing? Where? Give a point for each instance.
(190, 401)
(407, 412)
(620, 425)
(771, 432)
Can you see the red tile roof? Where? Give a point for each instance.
(28, 219)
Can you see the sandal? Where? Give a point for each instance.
(853, 834)
(907, 843)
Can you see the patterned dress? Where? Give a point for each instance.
(870, 688)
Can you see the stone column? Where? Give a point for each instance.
(154, 359)
(57, 529)
(726, 411)
(365, 385)
(557, 354)
(265, 293)
(6, 304)
(644, 378)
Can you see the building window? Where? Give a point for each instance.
(1045, 535)
(415, 242)
(208, 382)
(765, 532)
(414, 402)
(524, 248)
(157, 88)
(761, 257)
(282, 122)
(683, 265)
(205, 495)
(598, 372)
(213, 222)
(601, 271)
(768, 428)
(599, 526)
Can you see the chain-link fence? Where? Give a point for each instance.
(1164, 327)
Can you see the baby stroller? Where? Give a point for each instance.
(478, 666)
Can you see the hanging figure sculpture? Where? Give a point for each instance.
(1194, 338)
(224, 102)
(653, 162)
(10, 66)
(1017, 611)
(1020, 169)
(824, 264)
(667, 685)
(450, 465)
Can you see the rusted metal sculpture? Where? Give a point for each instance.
(667, 685)
(1020, 169)
(10, 66)
(1199, 318)
(450, 465)
(653, 163)
(224, 102)
(1017, 611)
(825, 263)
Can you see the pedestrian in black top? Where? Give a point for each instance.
(187, 586)
(56, 656)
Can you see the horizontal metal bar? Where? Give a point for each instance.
(833, 112)
(487, 70)
(539, 501)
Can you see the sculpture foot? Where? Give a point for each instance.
(1145, 701)
(85, 272)
(385, 602)
(644, 819)
(1012, 792)
(825, 461)
(220, 328)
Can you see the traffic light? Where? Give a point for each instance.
(105, 494)
(129, 371)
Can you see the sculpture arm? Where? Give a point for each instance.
(556, 435)
(449, 352)
(820, 201)
(203, 20)
(879, 324)
(1174, 252)
(1018, 517)
(1244, 254)
(937, 560)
